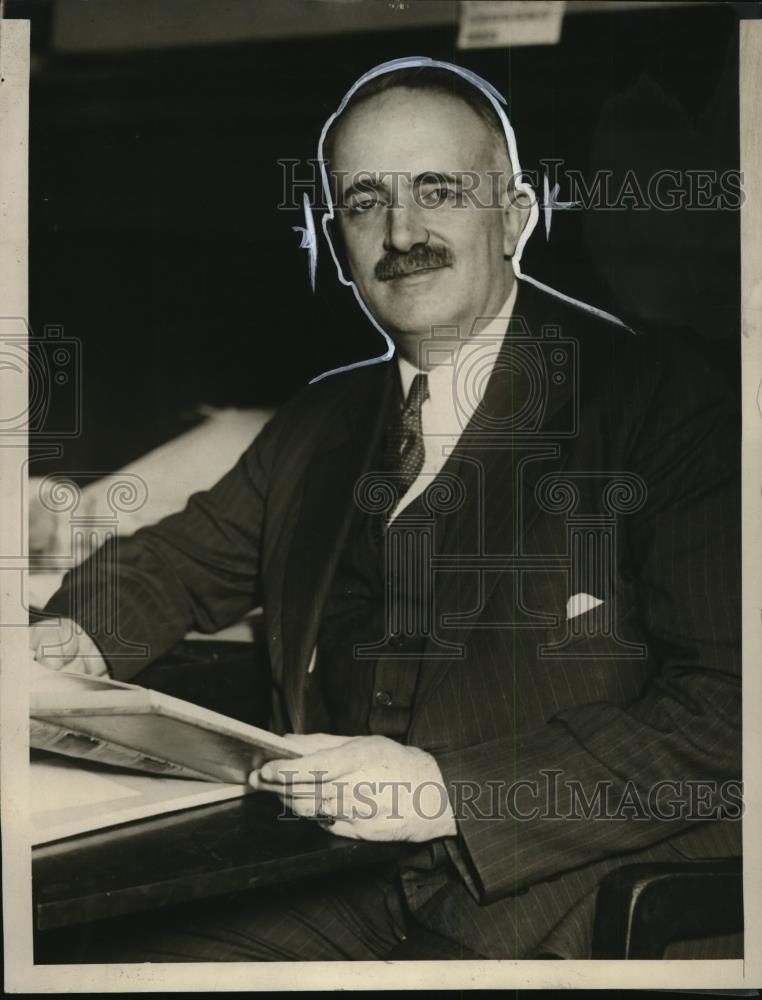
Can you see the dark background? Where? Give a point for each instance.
(157, 241)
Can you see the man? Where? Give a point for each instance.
(499, 571)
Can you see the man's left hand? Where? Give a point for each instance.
(366, 787)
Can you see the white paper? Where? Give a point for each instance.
(489, 24)
(57, 785)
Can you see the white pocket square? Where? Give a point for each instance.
(578, 604)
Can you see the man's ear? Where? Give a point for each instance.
(516, 210)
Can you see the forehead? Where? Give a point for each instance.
(411, 130)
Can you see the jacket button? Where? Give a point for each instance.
(383, 698)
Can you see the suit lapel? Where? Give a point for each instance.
(515, 437)
(322, 515)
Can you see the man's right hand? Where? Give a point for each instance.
(66, 647)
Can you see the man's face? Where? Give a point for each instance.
(421, 251)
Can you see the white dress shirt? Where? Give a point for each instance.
(456, 387)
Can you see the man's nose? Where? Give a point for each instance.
(404, 227)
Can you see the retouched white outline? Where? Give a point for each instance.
(496, 99)
(308, 239)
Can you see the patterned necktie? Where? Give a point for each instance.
(404, 450)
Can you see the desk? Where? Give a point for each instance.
(209, 851)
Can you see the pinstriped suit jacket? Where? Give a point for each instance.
(600, 462)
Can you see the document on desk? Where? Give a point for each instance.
(108, 722)
(68, 797)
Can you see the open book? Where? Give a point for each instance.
(106, 753)
(108, 722)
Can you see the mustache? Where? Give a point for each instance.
(396, 265)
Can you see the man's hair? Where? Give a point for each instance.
(430, 79)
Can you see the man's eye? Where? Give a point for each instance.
(431, 197)
(359, 203)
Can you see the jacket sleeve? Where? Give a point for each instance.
(529, 820)
(196, 569)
